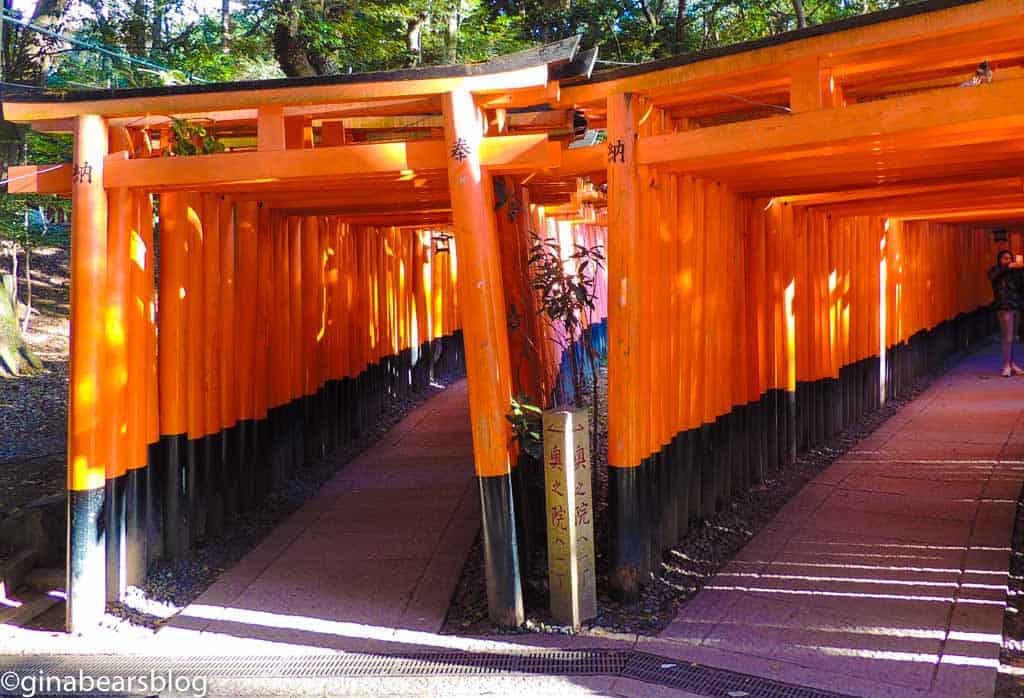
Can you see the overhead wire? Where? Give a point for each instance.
(31, 174)
(7, 15)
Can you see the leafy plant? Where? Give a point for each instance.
(566, 288)
(191, 138)
(526, 425)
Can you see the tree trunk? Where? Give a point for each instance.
(16, 359)
(289, 46)
(650, 15)
(28, 290)
(225, 26)
(414, 38)
(680, 30)
(48, 14)
(137, 29)
(801, 16)
(26, 57)
(451, 36)
(157, 26)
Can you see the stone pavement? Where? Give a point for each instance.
(886, 575)
(379, 549)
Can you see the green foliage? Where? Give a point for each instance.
(19, 219)
(482, 35)
(340, 37)
(527, 420)
(566, 288)
(191, 138)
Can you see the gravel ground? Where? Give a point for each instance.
(704, 551)
(33, 409)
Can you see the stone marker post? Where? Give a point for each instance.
(570, 518)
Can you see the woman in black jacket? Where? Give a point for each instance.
(1008, 292)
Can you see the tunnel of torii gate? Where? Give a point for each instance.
(795, 229)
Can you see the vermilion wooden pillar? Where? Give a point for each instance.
(116, 302)
(86, 469)
(624, 318)
(486, 345)
(172, 371)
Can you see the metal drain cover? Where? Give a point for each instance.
(641, 666)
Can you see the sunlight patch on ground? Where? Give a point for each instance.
(360, 631)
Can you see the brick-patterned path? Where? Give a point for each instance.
(886, 575)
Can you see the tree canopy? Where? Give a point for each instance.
(143, 42)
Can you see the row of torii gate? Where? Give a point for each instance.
(794, 228)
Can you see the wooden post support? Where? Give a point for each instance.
(115, 391)
(213, 464)
(570, 519)
(624, 307)
(245, 324)
(173, 389)
(195, 488)
(486, 345)
(147, 299)
(86, 471)
(270, 129)
(228, 395)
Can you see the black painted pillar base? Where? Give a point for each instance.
(135, 527)
(213, 468)
(246, 485)
(755, 432)
(114, 537)
(501, 558)
(194, 494)
(790, 412)
(626, 533)
(154, 503)
(684, 485)
(523, 507)
(86, 567)
(261, 462)
(738, 448)
(696, 453)
(298, 433)
(707, 466)
(347, 409)
(669, 501)
(176, 528)
(278, 445)
(771, 423)
(231, 472)
(713, 469)
(650, 471)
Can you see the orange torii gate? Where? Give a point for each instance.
(795, 229)
(306, 278)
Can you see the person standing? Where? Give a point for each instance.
(1007, 281)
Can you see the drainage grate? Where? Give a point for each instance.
(650, 668)
(709, 681)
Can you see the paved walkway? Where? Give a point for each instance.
(379, 549)
(886, 575)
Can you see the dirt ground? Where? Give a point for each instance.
(33, 409)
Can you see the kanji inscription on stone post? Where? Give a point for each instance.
(569, 513)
